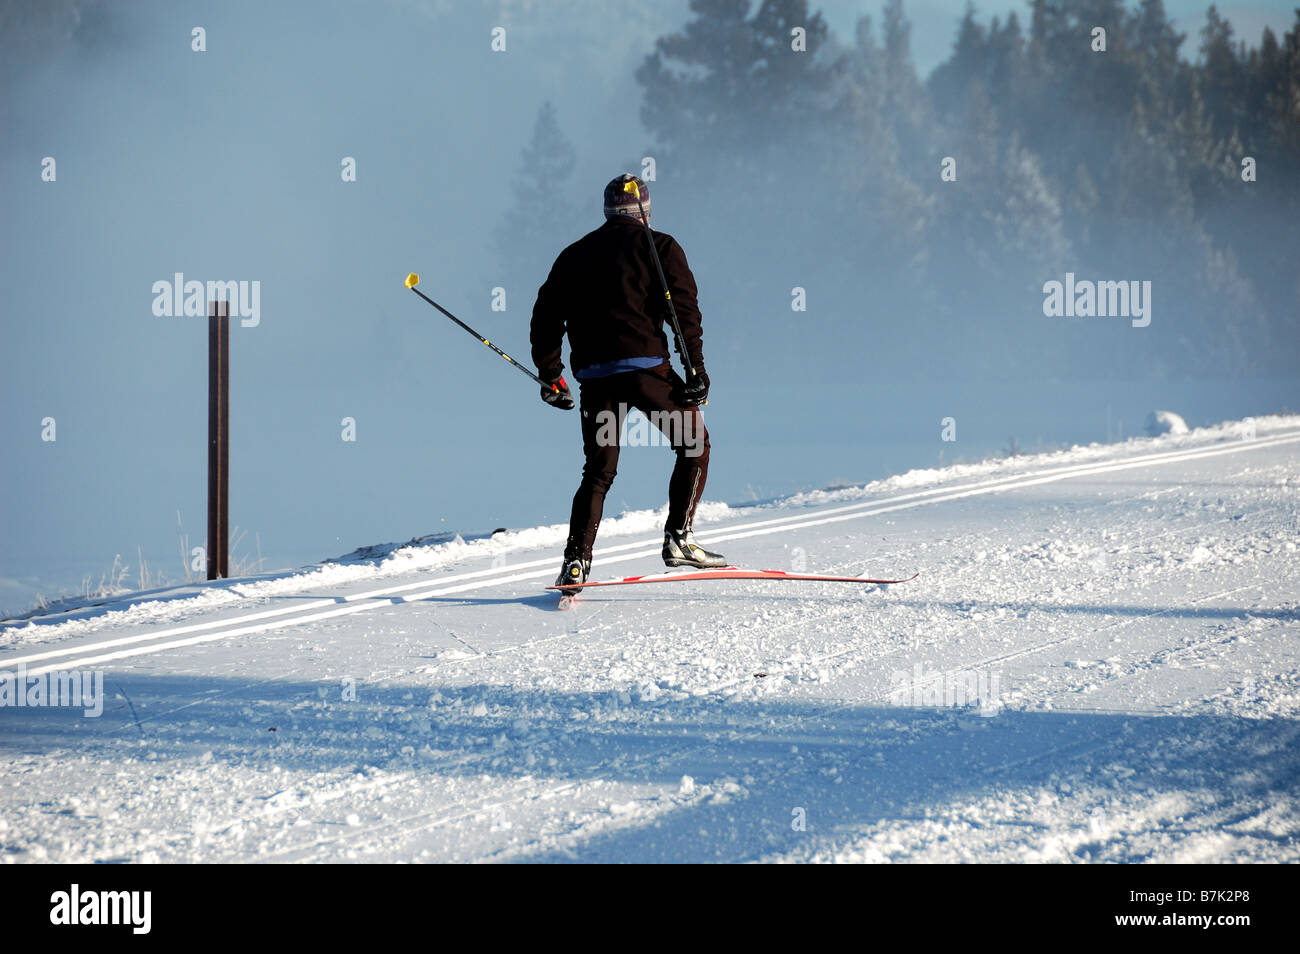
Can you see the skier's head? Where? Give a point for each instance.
(619, 202)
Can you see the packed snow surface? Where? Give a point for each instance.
(1098, 662)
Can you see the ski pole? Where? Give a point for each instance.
(413, 279)
(631, 186)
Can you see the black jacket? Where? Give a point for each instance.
(604, 291)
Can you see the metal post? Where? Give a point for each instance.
(218, 439)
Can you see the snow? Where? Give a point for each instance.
(1097, 663)
(1165, 422)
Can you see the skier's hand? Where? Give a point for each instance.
(557, 394)
(696, 390)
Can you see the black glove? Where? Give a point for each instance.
(695, 391)
(557, 394)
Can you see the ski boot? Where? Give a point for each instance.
(573, 571)
(680, 549)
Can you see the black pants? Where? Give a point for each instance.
(603, 405)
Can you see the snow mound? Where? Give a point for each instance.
(1165, 422)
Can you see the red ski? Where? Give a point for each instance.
(729, 573)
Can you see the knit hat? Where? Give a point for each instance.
(619, 202)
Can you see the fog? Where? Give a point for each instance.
(792, 178)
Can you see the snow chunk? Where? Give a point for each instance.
(1165, 422)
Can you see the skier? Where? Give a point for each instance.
(604, 291)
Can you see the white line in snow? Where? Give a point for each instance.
(480, 579)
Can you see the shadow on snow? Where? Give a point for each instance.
(847, 766)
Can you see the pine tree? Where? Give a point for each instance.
(905, 99)
(543, 216)
(1221, 73)
(729, 84)
(1156, 44)
(968, 63)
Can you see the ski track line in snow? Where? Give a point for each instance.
(587, 632)
(350, 788)
(745, 530)
(759, 528)
(1263, 586)
(341, 788)
(1010, 482)
(1126, 621)
(987, 486)
(599, 608)
(1131, 668)
(446, 815)
(987, 661)
(517, 793)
